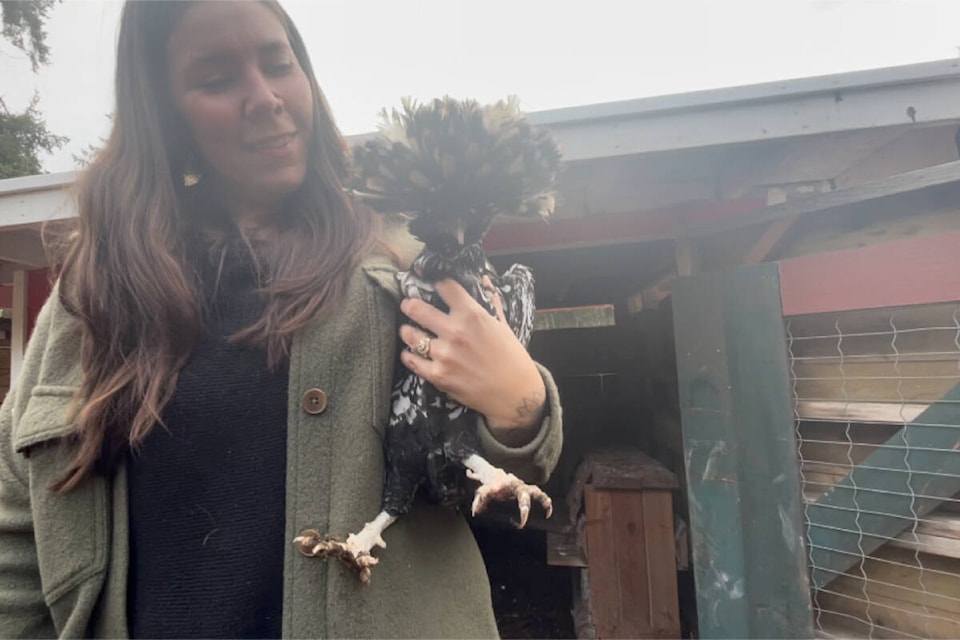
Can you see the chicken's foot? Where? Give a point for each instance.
(355, 552)
(497, 484)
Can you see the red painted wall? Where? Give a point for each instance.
(920, 270)
(38, 290)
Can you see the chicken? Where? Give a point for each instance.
(452, 167)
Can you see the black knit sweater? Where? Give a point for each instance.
(207, 491)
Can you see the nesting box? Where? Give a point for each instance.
(629, 587)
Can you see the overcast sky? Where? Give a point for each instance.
(550, 53)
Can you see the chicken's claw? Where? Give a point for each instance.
(505, 486)
(313, 543)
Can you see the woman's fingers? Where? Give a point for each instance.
(454, 295)
(495, 298)
(429, 317)
(457, 300)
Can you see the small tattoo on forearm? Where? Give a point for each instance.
(530, 408)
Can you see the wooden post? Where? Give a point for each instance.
(742, 469)
(687, 256)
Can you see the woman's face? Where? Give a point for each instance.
(248, 104)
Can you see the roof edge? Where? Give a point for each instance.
(766, 91)
(41, 182)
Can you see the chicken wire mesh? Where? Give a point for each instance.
(877, 415)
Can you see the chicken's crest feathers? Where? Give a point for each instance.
(453, 157)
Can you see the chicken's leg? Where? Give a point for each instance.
(497, 484)
(355, 552)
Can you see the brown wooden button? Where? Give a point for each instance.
(315, 401)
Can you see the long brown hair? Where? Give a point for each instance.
(124, 273)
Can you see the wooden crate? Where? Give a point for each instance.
(630, 585)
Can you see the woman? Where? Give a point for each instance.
(212, 373)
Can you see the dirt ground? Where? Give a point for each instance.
(530, 598)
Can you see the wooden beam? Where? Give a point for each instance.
(50, 198)
(652, 294)
(509, 236)
(564, 550)
(937, 534)
(906, 478)
(862, 412)
(923, 270)
(687, 256)
(911, 181)
(601, 315)
(742, 467)
(769, 241)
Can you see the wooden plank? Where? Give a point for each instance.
(631, 563)
(601, 315)
(772, 237)
(873, 330)
(652, 294)
(868, 380)
(601, 547)
(740, 451)
(687, 257)
(932, 544)
(661, 561)
(937, 534)
(565, 550)
(916, 271)
(884, 484)
(929, 213)
(867, 412)
(901, 593)
(909, 182)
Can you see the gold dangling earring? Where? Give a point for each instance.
(191, 177)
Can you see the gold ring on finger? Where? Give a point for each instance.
(423, 347)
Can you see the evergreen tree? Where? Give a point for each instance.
(24, 135)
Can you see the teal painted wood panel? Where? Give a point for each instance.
(903, 479)
(743, 479)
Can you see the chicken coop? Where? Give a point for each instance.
(750, 299)
(758, 289)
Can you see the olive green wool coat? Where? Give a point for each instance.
(63, 558)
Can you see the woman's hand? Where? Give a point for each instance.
(477, 361)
